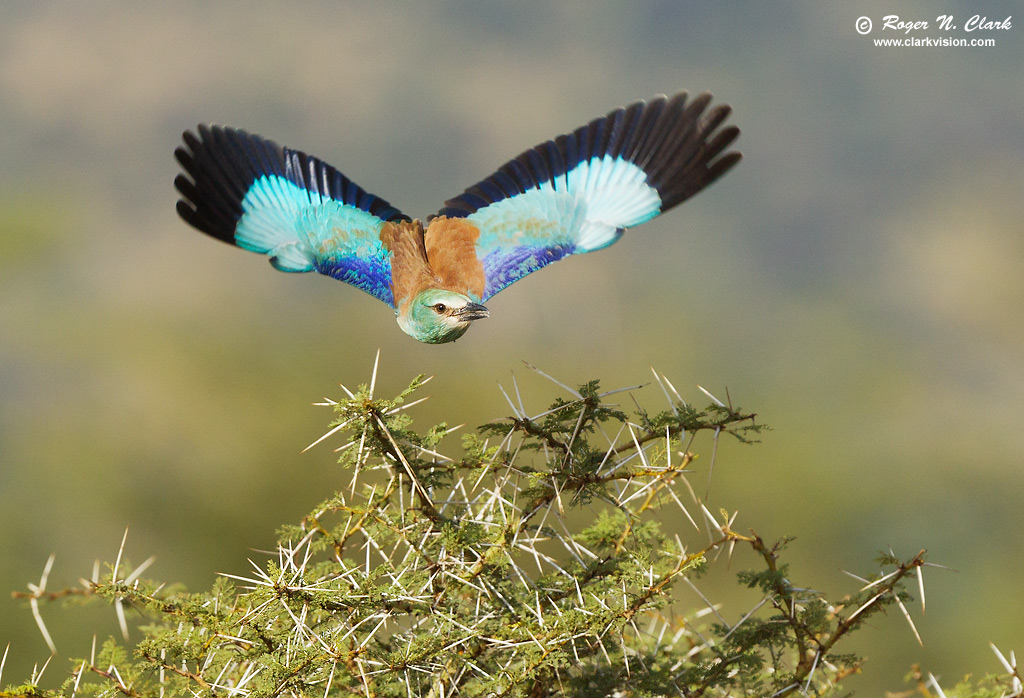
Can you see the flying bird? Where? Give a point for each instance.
(574, 194)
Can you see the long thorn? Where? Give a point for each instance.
(34, 604)
(910, 621)
(575, 393)
(373, 377)
(120, 551)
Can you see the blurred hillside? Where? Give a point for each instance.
(858, 280)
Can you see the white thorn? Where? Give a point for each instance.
(119, 608)
(332, 431)
(120, 551)
(139, 570)
(935, 684)
(910, 621)
(34, 604)
(373, 378)
(920, 584)
(1002, 659)
(716, 400)
(575, 393)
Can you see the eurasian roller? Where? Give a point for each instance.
(574, 194)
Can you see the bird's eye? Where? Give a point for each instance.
(440, 308)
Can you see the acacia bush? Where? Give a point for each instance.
(541, 559)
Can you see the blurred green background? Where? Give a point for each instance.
(858, 280)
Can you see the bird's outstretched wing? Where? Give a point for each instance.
(579, 192)
(298, 210)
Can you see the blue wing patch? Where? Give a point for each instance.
(299, 211)
(344, 243)
(524, 233)
(580, 192)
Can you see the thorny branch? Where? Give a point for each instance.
(531, 567)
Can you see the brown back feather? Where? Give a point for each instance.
(410, 270)
(450, 245)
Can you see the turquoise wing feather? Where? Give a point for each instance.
(299, 211)
(579, 192)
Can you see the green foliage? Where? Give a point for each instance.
(533, 564)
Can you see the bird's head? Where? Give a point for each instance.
(436, 316)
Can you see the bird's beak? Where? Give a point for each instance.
(472, 311)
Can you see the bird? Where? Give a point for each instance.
(574, 194)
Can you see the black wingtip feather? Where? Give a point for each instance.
(220, 165)
(218, 172)
(675, 140)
